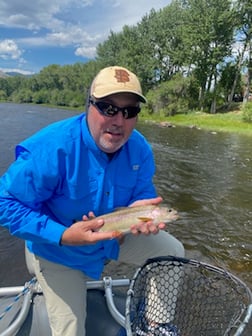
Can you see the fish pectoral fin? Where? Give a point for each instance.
(144, 219)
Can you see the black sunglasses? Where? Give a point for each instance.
(109, 110)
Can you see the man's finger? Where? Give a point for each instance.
(98, 235)
(94, 224)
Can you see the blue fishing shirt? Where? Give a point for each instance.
(58, 176)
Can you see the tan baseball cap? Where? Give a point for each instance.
(116, 79)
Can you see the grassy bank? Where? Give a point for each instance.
(219, 122)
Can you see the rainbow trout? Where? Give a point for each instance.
(121, 220)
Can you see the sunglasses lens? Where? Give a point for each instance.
(107, 109)
(110, 110)
(131, 112)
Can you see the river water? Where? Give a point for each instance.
(206, 176)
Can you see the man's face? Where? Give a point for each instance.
(111, 133)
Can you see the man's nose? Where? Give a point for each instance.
(118, 118)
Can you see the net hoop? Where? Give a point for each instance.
(169, 289)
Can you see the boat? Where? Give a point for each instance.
(193, 297)
(23, 310)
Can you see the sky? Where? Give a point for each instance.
(37, 33)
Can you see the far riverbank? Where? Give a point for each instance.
(231, 122)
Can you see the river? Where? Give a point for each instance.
(206, 176)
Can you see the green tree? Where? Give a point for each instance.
(165, 41)
(229, 75)
(208, 36)
(50, 77)
(107, 52)
(152, 48)
(244, 9)
(187, 44)
(4, 87)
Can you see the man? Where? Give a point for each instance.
(70, 171)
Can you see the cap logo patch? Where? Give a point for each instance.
(122, 76)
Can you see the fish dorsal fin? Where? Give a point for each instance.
(144, 219)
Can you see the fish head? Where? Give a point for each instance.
(164, 214)
(172, 214)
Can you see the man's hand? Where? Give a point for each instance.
(86, 232)
(147, 227)
(149, 201)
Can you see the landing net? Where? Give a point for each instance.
(182, 297)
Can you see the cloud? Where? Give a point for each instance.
(71, 35)
(23, 72)
(83, 43)
(79, 25)
(85, 51)
(9, 49)
(59, 23)
(95, 15)
(35, 14)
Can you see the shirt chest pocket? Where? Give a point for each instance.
(75, 200)
(124, 189)
(82, 190)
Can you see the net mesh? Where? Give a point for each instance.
(181, 297)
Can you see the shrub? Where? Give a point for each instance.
(170, 98)
(22, 96)
(41, 97)
(3, 95)
(247, 112)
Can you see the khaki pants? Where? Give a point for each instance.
(65, 290)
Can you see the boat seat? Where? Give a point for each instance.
(29, 263)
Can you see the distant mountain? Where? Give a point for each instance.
(14, 73)
(3, 74)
